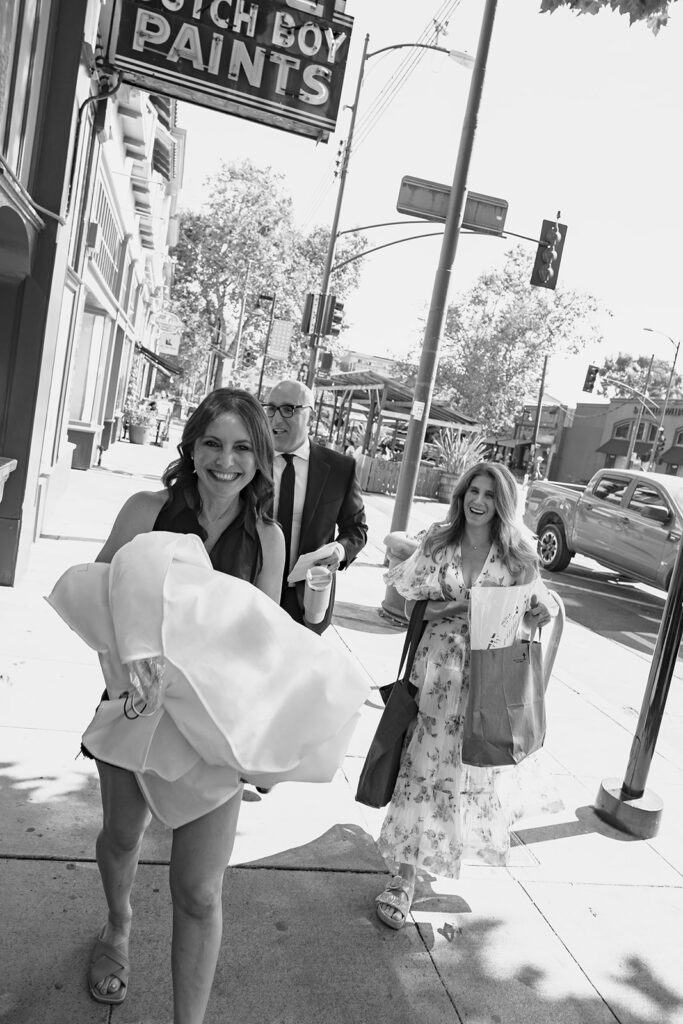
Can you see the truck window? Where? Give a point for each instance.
(611, 488)
(645, 495)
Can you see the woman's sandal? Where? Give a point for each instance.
(397, 896)
(108, 961)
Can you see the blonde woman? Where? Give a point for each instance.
(442, 810)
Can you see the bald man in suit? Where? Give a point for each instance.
(327, 506)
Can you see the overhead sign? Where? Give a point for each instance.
(279, 62)
(280, 340)
(429, 200)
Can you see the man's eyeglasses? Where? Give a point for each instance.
(286, 411)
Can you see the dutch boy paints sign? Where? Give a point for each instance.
(280, 62)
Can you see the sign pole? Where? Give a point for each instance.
(417, 426)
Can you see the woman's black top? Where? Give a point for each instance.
(237, 552)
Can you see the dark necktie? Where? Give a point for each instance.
(285, 507)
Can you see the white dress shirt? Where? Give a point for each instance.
(300, 462)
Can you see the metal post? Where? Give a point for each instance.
(265, 350)
(537, 422)
(653, 453)
(240, 322)
(636, 426)
(417, 427)
(629, 806)
(332, 244)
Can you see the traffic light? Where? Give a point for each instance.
(659, 447)
(326, 361)
(549, 254)
(591, 376)
(337, 321)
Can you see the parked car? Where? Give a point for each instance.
(626, 520)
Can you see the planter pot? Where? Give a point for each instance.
(139, 434)
(446, 485)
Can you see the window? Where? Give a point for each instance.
(611, 489)
(646, 431)
(23, 43)
(678, 440)
(646, 496)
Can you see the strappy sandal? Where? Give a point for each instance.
(108, 961)
(398, 895)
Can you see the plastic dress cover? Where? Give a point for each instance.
(245, 692)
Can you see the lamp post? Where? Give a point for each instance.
(461, 58)
(660, 426)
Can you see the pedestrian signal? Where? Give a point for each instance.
(548, 254)
(591, 377)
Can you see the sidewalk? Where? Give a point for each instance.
(582, 927)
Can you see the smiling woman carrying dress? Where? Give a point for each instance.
(443, 810)
(220, 488)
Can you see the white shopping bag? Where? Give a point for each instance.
(496, 613)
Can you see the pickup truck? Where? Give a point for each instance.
(626, 520)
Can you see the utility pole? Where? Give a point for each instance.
(417, 426)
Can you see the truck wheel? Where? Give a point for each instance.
(552, 548)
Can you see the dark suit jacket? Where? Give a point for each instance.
(333, 510)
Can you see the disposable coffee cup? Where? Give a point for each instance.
(317, 593)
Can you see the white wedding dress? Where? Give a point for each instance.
(245, 693)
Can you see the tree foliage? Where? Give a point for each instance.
(655, 13)
(497, 335)
(241, 245)
(632, 370)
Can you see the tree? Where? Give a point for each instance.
(632, 370)
(655, 13)
(497, 335)
(243, 244)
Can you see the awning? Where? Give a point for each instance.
(619, 446)
(163, 363)
(673, 456)
(507, 442)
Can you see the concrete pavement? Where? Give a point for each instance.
(582, 926)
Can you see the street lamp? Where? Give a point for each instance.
(465, 60)
(660, 427)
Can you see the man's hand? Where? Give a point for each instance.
(331, 561)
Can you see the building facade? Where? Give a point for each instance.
(88, 188)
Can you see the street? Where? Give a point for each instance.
(605, 603)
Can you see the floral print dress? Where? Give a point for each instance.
(443, 811)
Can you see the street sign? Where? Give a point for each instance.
(429, 200)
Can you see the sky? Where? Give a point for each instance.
(580, 114)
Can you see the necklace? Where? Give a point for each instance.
(474, 547)
(209, 520)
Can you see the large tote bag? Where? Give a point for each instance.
(505, 716)
(378, 777)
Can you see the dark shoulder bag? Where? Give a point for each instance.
(378, 777)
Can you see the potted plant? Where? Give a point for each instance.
(456, 453)
(141, 422)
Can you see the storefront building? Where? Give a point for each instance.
(89, 172)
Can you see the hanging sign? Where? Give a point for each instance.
(169, 332)
(279, 62)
